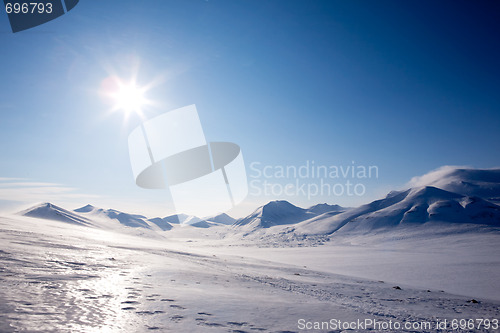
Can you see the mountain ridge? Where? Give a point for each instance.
(413, 206)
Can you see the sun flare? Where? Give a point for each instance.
(129, 97)
(125, 96)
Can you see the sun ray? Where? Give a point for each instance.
(129, 97)
(125, 95)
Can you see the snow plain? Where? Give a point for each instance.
(425, 259)
(60, 277)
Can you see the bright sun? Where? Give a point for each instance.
(125, 96)
(128, 97)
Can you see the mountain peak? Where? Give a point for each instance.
(431, 192)
(279, 206)
(279, 203)
(44, 205)
(325, 208)
(222, 219)
(50, 211)
(129, 220)
(273, 213)
(483, 183)
(85, 209)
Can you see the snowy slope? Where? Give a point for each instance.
(186, 220)
(214, 221)
(161, 223)
(128, 220)
(58, 277)
(439, 247)
(112, 219)
(484, 183)
(449, 195)
(176, 219)
(325, 208)
(223, 219)
(49, 211)
(274, 213)
(413, 206)
(85, 209)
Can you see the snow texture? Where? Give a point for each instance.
(426, 254)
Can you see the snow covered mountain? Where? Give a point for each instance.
(484, 183)
(325, 208)
(176, 219)
(129, 220)
(167, 223)
(457, 196)
(185, 220)
(221, 219)
(110, 218)
(472, 202)
(161, 223)
(413, 206)
(273, 214)
(49, 211)
(281, 213)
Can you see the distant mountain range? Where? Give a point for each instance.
(129, 220)
(92, 216)
(449, 195)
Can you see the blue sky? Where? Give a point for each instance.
(406, 86)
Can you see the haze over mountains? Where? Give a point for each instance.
(446, 195)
